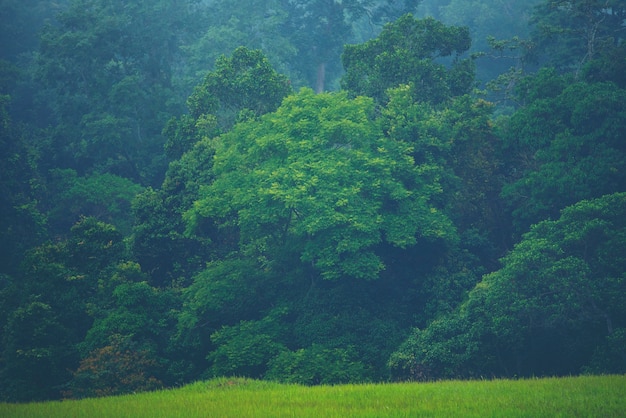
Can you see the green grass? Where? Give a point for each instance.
(587, 396)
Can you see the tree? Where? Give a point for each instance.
(552, 308)
(242, 86)
(244, 81)
(575, 154)
(245, 349)
(569, 33)
(252, 24)
(22, 221)
(318, 177)
(503, 21)
(116, 369)
(407, 52)
(106, 197)
(57, 284)
(37, 352)
(107, 73)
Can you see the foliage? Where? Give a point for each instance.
(247, 348)
(139, 253)
(106, 70)
(407, 52)
(316, 365)
(36, 351)
(569, 33)
(577, 154)
(241, 86)
(564, 280)
(115, 369)
(105, 197)
(22, 223)
(319, 171)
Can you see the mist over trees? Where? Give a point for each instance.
(314, 192)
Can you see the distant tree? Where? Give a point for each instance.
(501, 20)
(106, 197)
(107, 73)
(407, 52)
(241, 86)
(21, 22)
(569, 33)
(253, 24)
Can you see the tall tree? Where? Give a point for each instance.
(407, 52)
(320, 29)
(569, 33)
(318, 176)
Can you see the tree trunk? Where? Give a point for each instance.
(321, 76)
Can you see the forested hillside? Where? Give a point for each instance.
(313, 192)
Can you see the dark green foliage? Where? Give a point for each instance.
(106, 197)
(22, 223)
(570, 33)
(58, 283)
(317, 366)
(245, 81)
(576, 153)
(406, 52)
(106, 71)
(347, 236)
(36, 353)
(552, 308)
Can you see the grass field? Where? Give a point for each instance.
(588, 396)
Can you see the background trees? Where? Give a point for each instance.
(406, 52)
(108, 74)
(306, 237)
(571, 33)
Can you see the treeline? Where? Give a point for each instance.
(339, 199)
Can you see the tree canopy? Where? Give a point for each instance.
(312, 192)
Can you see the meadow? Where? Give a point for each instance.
(585, 396)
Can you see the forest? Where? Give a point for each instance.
(311, 192)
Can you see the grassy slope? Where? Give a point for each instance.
(603, 396)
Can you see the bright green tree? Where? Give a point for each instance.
(319, 177)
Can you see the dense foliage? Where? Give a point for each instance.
(312, 192)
